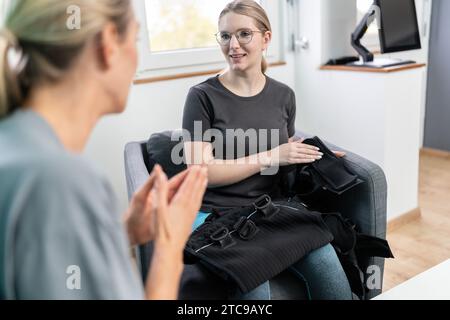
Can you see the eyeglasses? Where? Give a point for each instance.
(243, 36)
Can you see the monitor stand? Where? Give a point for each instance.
(379, 63)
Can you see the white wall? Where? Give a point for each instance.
(340, 18)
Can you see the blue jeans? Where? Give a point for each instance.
(320, 270)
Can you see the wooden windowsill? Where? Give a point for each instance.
(374, 70)
(192, 74)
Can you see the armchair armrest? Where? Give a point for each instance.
(365, 205)
(135, 169)
(136, 174)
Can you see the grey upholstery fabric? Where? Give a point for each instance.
(365, 205)
(136, 171)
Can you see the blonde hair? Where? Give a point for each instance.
(38, 46)
(253, 10)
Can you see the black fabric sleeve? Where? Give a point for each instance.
(197, 115)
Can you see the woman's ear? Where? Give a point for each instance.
(109, 45)
(267, 38)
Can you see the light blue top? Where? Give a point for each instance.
(59, 224)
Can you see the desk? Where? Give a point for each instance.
(375, 70)
(433, 284)
(375, 113)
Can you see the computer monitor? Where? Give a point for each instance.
(398, 30)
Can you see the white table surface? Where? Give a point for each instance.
(433, 284)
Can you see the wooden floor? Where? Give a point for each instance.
(425, 242)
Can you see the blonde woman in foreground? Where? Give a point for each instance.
(57, 214)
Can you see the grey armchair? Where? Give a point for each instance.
(365, 206)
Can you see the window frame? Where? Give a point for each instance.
(200, 59)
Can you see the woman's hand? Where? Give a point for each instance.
(174, 205)
(294, 153)
(177, 208)
(139, 217)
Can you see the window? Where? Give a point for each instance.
(179, 35)
(182, 25)
(371, 40)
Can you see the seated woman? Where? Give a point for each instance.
(61, 235)
(243, 104)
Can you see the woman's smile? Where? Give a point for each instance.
(237, 57)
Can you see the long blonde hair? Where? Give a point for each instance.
(38, 46)
(253, 10)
